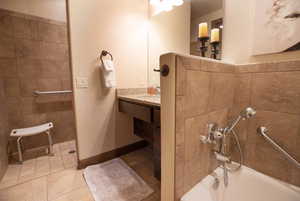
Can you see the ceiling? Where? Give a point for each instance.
(203, 7)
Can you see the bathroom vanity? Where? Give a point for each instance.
(145, 111)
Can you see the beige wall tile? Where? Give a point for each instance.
(6, 28)
(295, 176)
(28, 86)
(242, 93)
(197, 93)
(194, 128)
(52, 69)
(54, 51)
(179, 111)
(49, 84)
(24, 28)
(12, 87)
(29, 68)
(221, 91)
(219, 117)
(190, 63)
(279, 92)
(273, 93)
(28, 49)
(180, 77)
(8, 68)
(284, 130)
(7, 47)
(52, 33)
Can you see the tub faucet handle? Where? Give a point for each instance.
(222, 158)
(212, 134)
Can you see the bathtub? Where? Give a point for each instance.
(244, 185)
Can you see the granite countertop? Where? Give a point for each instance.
(152, 100)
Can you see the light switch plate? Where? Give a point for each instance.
(82, 82)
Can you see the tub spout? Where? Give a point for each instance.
(225, 174)
(223, 160)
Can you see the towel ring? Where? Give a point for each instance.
(105, 53)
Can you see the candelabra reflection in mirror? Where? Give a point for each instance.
(214, 39)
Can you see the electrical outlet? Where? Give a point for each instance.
(82, 82)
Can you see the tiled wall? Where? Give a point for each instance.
(273, 89)
(201, 97)
(3, 130)
(209, 91)
(34, 56)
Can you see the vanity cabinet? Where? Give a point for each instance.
(146, 124)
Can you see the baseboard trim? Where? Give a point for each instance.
(111, 154)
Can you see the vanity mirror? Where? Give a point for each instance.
(177, 29)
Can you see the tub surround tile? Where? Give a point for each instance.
(212, 91)
(282, 128)
(181, 76)
(221, 91)
(180, 120)
(197, 93)
(217, 67)
(242, 91)
(283, 66)
(277, 92)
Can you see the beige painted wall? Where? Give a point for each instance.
(237, 41)
(50, 9)
(121, 28)
(169, 32)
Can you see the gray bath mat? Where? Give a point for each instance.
(115, 181)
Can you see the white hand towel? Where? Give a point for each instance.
(108, 65)
(109, 79)
(109, 74)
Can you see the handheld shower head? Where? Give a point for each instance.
(248, 113)
(245, 114)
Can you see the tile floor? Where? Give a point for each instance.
(56, 178)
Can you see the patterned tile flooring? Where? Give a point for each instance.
(55, 178)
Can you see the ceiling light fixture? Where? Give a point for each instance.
(165, 5)
(177, 2)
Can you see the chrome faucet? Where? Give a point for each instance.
(218, 136)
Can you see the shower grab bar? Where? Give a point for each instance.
(263, 131)
(37, 93)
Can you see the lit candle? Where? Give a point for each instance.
(215, 35)
(203, 30)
